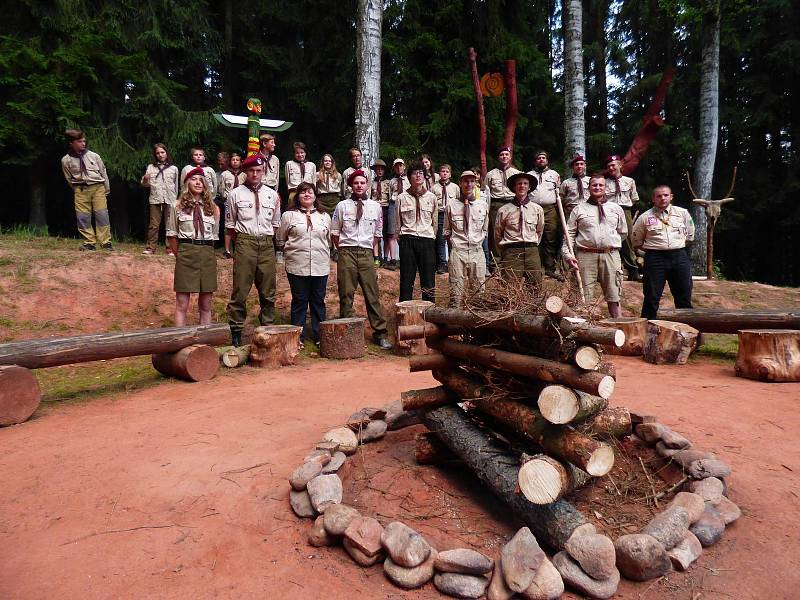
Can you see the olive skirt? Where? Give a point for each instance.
(195, 269)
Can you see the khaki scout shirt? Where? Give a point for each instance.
(226, 181)
(382, 191)
(180, 224)
(306, 252)
(293, 178)
(428, 214)
(507, 224)
(430, 182)
(95, 170)
(546, 192)
(347, 191)
(272, 169)
(211, 177)
(569, 191)
(454, 223)
(663, 230)
(398, 188)
(327, 184)
(241, 214)
(587, 231)
(495, 182)
(453, 191)
(627, 196)
(360, 234)
(163, 184)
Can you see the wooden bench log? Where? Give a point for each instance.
(275, 345)
(635, 329)
(20, 395)
(668, 342)
(342, 338)
(195, 363)
(410, 312)
(714, 320)
(769, 354)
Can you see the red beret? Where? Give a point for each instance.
(193, 172)
(613, 157)
(354, 174)
(578, 157)
(252, 161)
(505, 149)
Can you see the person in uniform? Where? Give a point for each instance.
(329, 184)
(229, 180)
(417, 218)
(253, 214)
(272, 164)
(382, 194)
(496, 184)
(356, 162)
(299, 170)
(546, 195)
(596, 228)
(161, 176)
(622, 190)
(198, 159)
(86, 175)
(575, 189)
(357, 225)
(663, 232)
(444, 190)
(517, 230)
(431, 176)
(304, 236)
(190, 235)
(466, 223)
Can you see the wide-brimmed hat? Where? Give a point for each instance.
(468, 174)
(378, 163)
(512, 180)
(398, 161)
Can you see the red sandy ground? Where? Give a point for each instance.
(180, 491)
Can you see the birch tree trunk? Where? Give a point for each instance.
(574, 122)
(368, 83)
(708, 133)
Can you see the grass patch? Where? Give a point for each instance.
(720, 346)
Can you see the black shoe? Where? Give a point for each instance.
(107, 246)
(236, 338)
(88, 246)
(634, 275)
(382, 343)
(227, 254)
(441, 270)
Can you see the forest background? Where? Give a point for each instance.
(134, 73)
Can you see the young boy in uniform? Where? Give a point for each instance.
(444, 189)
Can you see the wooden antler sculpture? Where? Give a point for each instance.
(713, 210)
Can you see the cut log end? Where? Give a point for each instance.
(274, 345)
(558, 404)
(543, 480)
(587, 358)
(771, 355)
(606, 387)
(668, 342)
(236, 357)
(342, 338)
(195, 363)
(20, 395)
(557, 307)
(601, 461)
(631, 342)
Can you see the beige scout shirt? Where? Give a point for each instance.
(163, 184)
(306, 251)
(427, 223)
(398, 188)
(211, 177)
(453, 191)
(495, 182)
(242, 216)
(226, 181)
(360, 234)
(180, 224)
(347, 191)
(586, 230)
(546, 192)
(455, 224)
(507, 224)
(95, 170)
(569, 191)
(382, 191)
(626, 195)
(293, 178)
(272, 169)
(663, 230)
(329, 185)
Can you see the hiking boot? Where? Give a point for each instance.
(441, 269)
(382, 343)
(227, 254)
(87, 246)
(634, 275)
(108, 246)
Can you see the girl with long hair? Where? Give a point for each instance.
(161, 176)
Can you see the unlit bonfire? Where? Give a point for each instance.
(524, 405)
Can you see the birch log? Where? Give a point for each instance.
(369, 43)
(574, 122)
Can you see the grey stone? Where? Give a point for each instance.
(306, 472)
(498, 589)
(669, 526)
(574, 577)
(360, 419)
(317, 536)
(522, 557)
(358, 556)
(321, 454)
(338, 518)
(330, 447)
(728, 510)
(708, 467)
(710, 527)
(337, 460)
(709, 489)
(685, 458)
(374, 430)
(405, 547)
(397, 418)
(364, 533)
(345, 439)
(641, 557)
(686, 552)
(672, 439)
(583, 529)
(463, 560)
(301, 504)
(694, 504)
(547, 584)
(410, 578)
(325, 490)
(650, 433)
(460, 585)
(665, 452)
(594, 553)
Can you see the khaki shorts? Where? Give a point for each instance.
(195, 269)
(605, 269)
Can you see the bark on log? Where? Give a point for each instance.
(635, 329)
(594, 457)
(195, 363)
(769, 354)
(668, 342)
(569, 327)
(37, 354)
(552, 524)
(543, 479)
(529, 366)
(275, 345)
(711, 320)
(427, 398)
(236, 357)
(342, 338)
(410, 312)
(560, 404)
(418, 332)
(20, 395)
(430, 450)
(461, 385)
(612, 422)
(557, 307)
(429, 362)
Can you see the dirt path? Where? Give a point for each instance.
(180, 491)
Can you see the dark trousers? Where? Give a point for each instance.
(666, 266)
(308, 290)
(627, 253)
(417, 254)
(441, 244)
(550, 243)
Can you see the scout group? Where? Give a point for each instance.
(418, 219)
